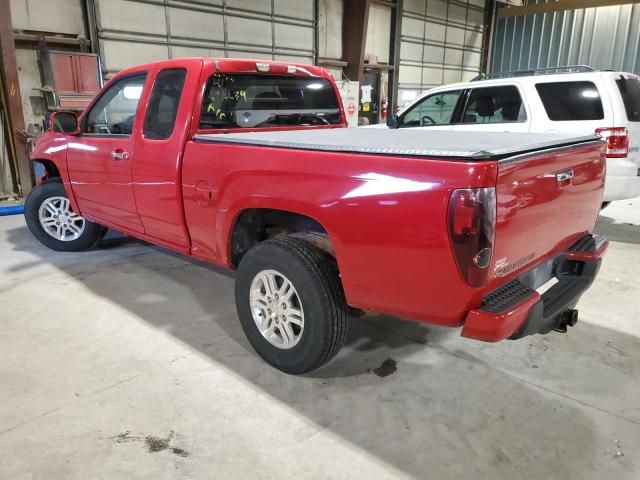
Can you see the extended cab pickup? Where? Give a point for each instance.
(490, 232)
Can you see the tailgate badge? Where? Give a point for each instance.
(562, 177)
(502, 266)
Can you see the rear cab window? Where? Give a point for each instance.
(630, 92)
(235, 101)
(501, 104)
(571, 101)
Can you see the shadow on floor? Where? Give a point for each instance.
(617, 232)
(447, 400)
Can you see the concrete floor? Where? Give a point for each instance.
(129, 362)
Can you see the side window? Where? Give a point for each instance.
(630, 92)
(115, 110)
(163, 105)
(435, 109)
(494, 105)
(566, 101)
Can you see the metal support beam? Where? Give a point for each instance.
(487, 43)
(558, 6)
(394, 56)
(355, 18)
(14, 99)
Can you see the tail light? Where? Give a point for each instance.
(472, 226)
(617, 141)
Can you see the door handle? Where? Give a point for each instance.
(564, 178)
(120, 155)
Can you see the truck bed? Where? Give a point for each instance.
(470, 146)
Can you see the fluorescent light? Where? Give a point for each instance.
(132, 92)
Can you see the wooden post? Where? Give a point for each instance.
(355, 18)
(14, 99)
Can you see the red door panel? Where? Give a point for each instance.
(157, 163)
(100, 173)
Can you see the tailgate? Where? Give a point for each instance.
(545, 202)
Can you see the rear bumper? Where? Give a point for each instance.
(514, 310)
(622, 180)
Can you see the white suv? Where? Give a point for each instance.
(581, 101)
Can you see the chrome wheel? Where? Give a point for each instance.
(59, 221)
(276, 309)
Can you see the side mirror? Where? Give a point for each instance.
(64, 122)
(393, 121)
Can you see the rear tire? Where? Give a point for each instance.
(52, 221)
(285, 275)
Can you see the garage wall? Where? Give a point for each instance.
(51, 16)
(441, 42)
(132, 32)
(58, 16)
(603, 37)
(378, 38)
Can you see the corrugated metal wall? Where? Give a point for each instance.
(132, 32)
(441, 42)
(605, 38)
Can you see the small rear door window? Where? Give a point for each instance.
(571, 101)
(163, 105)
(630, 92)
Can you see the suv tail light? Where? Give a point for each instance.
(472, 226)
(617, 141)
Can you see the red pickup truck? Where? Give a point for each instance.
(490, 232)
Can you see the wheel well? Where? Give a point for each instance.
(50, 168)
(258, 224)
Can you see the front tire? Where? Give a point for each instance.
(53, 222)
(291, 305)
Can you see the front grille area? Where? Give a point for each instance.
(507, 296)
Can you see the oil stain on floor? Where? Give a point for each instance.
(154, 444)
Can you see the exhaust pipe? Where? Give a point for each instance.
(568, 319)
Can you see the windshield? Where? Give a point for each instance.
(254, 101)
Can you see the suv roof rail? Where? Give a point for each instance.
(536, 71)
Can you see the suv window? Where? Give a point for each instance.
(436, 109)
(567, 101)
(630, 92)
(249, 101)
(163, 105)
(494, 105)
(115, 110)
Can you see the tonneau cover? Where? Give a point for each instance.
(405, 142)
